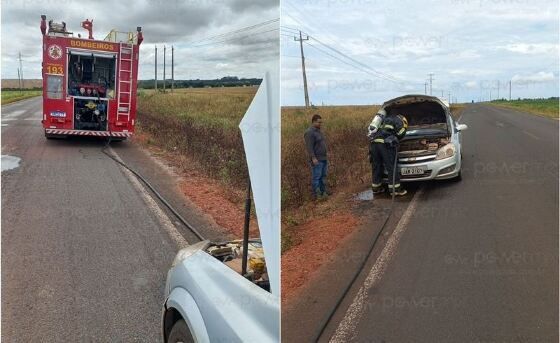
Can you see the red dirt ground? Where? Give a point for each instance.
(318, 239)
(223, 203)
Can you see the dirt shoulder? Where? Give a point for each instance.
(223, 203)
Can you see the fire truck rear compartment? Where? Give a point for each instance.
(90, 114)
(91, 75)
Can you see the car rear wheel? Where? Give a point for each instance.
(180, 333)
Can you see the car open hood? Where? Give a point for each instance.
(412, 98)
(260, 129)
(425, 114)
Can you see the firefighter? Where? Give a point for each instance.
(384, 134)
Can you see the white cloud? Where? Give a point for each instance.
(541, 76)
(532, 49)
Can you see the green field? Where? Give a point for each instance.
(201, 123)
(9, 96)
(545, 107)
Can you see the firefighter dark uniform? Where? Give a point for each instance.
(383, 150)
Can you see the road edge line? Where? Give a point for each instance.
(348, 324)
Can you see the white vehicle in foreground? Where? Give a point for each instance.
(207, 299)
(431, 148)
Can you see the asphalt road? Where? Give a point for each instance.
(478, 259)
(84, 258)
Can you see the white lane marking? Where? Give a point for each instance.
(530, 135)
(500, 124)
(171, 230)
(347, 326)
(12, 114)
(4, 124)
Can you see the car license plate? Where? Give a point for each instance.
(419, 170)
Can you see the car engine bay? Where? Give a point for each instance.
(231, 254)
(422, 146)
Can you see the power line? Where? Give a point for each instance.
(232, 39)
(247, 28)
(348, 63)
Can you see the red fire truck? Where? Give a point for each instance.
(89, 86)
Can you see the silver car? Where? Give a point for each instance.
(207, 300)
(431, 148)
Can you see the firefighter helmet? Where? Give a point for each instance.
(404, 120)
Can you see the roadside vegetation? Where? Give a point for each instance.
(202, 124)
(9, 95)
(545, 107)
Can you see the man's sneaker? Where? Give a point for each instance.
(400, 191)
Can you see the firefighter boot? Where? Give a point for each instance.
(377, 188)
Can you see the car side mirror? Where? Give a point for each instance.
(461, 127)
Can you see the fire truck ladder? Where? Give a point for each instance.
(125, 79)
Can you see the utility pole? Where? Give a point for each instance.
(426, 87)
(449, 97)
(21, 71)
(164, 68)
(498, 89)
(431, 75)
(300, 40)
(172, 69)
(19, 80)
(155, 71)
(509, 90)
(442, 93)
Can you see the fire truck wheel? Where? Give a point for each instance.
(180, 333)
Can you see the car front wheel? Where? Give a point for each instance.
(180, 333)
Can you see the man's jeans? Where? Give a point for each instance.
(318, 177)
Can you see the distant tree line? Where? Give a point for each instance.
(25, 89)
(227, 81)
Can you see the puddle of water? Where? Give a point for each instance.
(364, 196)
(10, 162)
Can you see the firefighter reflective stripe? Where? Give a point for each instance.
(379, 140)
(397, 185)
(401, 131)
(376, 185)
(388, 126)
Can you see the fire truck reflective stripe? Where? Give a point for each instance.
(88, 133)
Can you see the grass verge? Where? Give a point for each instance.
(544, 107)
(9, 96)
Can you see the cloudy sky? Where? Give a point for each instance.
(182, 23)
(474, 48)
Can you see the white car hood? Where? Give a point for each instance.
(260, 129)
